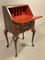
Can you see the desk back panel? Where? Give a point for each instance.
(20, 10)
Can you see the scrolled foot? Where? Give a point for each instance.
(32, 45)
(7, 45)
(23, 38)
(16, 55)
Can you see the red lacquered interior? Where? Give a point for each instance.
(25, 18)
(22, 14)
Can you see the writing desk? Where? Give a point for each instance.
(17, 20)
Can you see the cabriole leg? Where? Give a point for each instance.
(15, 43)
(23, 36)
(33, 31)
(5, 32)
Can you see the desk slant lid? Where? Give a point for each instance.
(22, 14)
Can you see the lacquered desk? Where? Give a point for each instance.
(17, 20)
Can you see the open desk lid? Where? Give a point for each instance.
(21, 13)
(25, 18)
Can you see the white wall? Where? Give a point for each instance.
(37, 7)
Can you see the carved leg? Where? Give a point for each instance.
(33, 30)
(15, 43)
(23, 36)
(5, 32)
